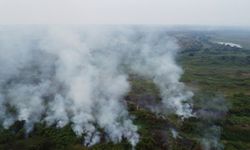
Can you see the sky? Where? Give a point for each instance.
(159, 12)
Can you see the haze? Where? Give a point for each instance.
(169, 12)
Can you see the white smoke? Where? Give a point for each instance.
(211, 139)
(63, 75)
(175, 134)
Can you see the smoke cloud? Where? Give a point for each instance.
(62, 75)
(213, 109)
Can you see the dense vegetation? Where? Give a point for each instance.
(220, 78)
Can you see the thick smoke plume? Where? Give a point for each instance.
(62, 75)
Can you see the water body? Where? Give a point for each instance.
(230, 44)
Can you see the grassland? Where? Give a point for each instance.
(223, 71)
